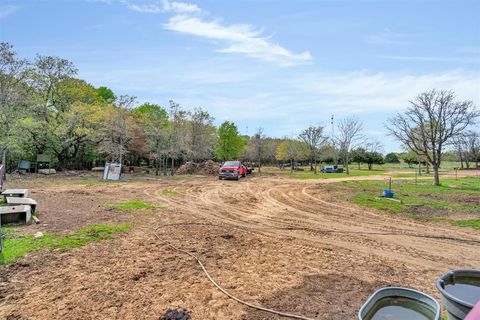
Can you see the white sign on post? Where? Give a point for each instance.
(112, 171)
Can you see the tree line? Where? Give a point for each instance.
(46, 110)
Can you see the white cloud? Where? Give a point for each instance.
(382, 92)
(183, 7)
(237, 38)
(434, 59)
(387, 37)
(161, 6)
(240, 38)
(7, 10)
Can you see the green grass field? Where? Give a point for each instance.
(436, 202)
(307, 174)
(17, 246)
(131, 205)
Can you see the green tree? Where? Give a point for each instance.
(410, 158)
(392, 157)
(372, 158)
(293, 151)
(105, 94)
(229, 143)
(359, 155)
(13, 95)
(153, 119)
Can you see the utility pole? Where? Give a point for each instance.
(335, 160)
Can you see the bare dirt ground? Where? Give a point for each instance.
(271, 241)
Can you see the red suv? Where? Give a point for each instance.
(232, 170)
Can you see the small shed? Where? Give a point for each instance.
(44, 161)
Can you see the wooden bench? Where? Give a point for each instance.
(14, 193)
(13, 201)
(13, 214)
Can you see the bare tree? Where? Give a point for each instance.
(474, 147)
(349, 137)
(432, 121)
(119, 132)
(258, 142)
(201, 135)
(461, 145)
(313, 137)
(177, 137)
(467, 147)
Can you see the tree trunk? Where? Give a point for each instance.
(419, 168)
(315, 161)
(4, 162)
(436, 175)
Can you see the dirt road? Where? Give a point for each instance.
(277, 242)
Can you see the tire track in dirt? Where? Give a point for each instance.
(288, 210)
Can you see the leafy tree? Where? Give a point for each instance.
(13, 95)
(293, 151)
(153, 120)
(392, 157)
(328, 154)
(229, 143)
(372, 158)
(432, 121)
(410, 158)
(359, 155)
(105, 94)
(271, 146)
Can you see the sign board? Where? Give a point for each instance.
(44, 158)
(2, 175)
(112, 171)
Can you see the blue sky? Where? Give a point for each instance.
(280, 65)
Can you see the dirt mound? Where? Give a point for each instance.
(188, 167)
(207, 168)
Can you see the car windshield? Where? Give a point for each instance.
(231, 164)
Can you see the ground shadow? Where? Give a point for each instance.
(325, 297)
